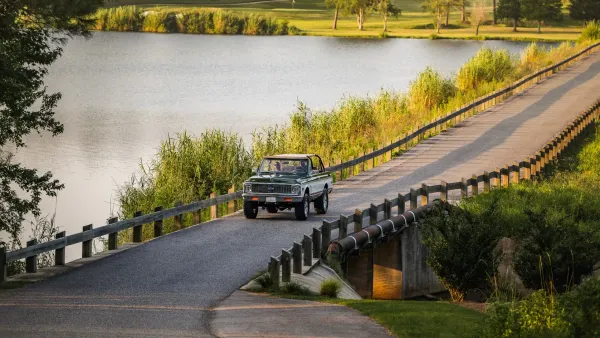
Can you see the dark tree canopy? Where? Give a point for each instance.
(510, 9)
(32, 34)
(541, 10)
(586, 10)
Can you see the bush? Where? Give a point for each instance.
(330, 288)
(582, 309)
(538, 315)
(543, 314)
(295, 289)
(462, 248)
(591, 32)
(430, 90)
(556, 250)
(486, 66)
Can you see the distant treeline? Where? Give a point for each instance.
(193, 21)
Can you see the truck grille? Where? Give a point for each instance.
(272, 188)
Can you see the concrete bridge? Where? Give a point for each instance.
(170, 285)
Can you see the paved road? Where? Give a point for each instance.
(168, 286)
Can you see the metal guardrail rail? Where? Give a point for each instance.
(33, 249)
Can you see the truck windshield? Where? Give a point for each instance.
(282, 166)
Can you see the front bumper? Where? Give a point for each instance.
(272, 199)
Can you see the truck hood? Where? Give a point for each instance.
(274, 178)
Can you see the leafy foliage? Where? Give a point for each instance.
(31, 39)
(587, 10)
(542, 10)
(462, 248)
(510, 9)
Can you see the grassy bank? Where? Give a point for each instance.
(312, 17)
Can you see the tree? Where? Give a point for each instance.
(541, 10)
(463, 4)
(438, 9)
(510, 9)
(494, 11)
(359, 8)
(586, 10)
(338, 5)
(387, 8)
(32, 34)
(479, 16)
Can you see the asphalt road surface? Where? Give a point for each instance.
(168, 286)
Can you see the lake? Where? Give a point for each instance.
(125, 92)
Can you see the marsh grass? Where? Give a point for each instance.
(192, 21)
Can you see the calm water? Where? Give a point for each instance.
(125, 92)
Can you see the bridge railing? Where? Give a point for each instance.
(378, 221)
(340, 170)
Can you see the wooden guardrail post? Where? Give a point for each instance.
(504, 174)
(532, 166)
(424, 195)
(178, 219)
(338, 174)
(474, 185)
(307, 248)
(59, 254)
(444, 191)
(231, 205)
(464, 188)
(486, 182)
(274, 271)
(516, 173)
(325, 236)
(214, 210)
(158, 224)
(401, 204)
(372, 214)
(197, 216)
(286, 271)
(86, 246)
(112, 237)
(358, 220)
(31, 261)
(137, 230)
(316, 243)
(343, 227)
(526, 169)
(387, 209)
(3, 264)
(538, 164)
(297, 256)
(413, 199)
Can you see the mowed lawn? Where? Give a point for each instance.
(314, 18)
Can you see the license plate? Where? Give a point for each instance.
(271, 199)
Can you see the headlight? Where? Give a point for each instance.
(295, 190)
(248, 187)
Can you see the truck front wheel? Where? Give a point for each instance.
(302, 209)
(250, 209)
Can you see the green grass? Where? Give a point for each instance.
(313, 18)
(406, 318)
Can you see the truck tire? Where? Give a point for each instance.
(322, 203)
(302, 209)
(250, 209)
(271, 209)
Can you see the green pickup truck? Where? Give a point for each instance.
(288, 181)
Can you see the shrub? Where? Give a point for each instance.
(227, 23)
(538, 315)
(582, 309)
(591, 32)
(486, 66)
(556, 250)
(430, 90)
(462, 248)
(264, 280)
(295, 289)
(330, 288)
